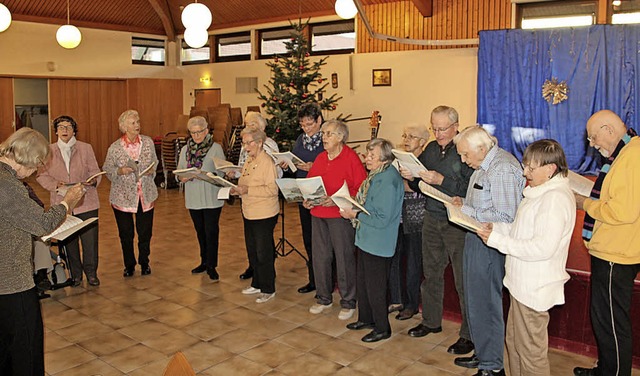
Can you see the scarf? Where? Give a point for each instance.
(197, 152)
(361, 196)
(587, 228)
(65, 149)
(311, 143)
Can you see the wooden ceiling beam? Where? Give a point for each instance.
(424, 6)
(164, 13)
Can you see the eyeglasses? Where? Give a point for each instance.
(592, 138)
(65, 127)
(527, 167)
(330, 134)
(307, 123)
(197, 133)
(442, 130)
(410, 137)
(245, 144)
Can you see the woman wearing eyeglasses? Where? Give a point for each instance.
(259, 192)
(72, 162)
(333, 237)
(404, 282)
(200, 197)
(536, 246)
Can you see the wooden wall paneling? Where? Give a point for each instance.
(7, 108)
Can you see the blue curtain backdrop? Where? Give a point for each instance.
(598, 63)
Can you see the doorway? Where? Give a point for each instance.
(206, 98)
(31, 101)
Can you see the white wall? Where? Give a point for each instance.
(421, 80)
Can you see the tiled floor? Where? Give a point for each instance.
(133, 326)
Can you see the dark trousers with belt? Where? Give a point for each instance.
(143, 226)
(611, 293)
(483, 272)
(258, 235)
(21, 334)
(89, 238)
(406, 271)
(207, 225)
(305, 222)
(371, 287)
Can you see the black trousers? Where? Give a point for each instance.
(143, 226)
(611, 293)
(305, 222)
(371, 287)
(207, 225)
(89, 237)
(21, 334)
(258, 235)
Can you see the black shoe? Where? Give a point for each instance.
(146, 270)
(486, 372)
(93, 281)
(43, 295)
(376, 336)
(360, 325)
(76, 282)
(247, 274)
(579, 371)
(406, 314)
(213, 274)
(199, 269)
(128, 272)
(461, 347)
(422, 330)
(467, 361)
(307, 288)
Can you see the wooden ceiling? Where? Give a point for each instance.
(162, 17)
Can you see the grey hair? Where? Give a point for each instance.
(477, 137)
(255, 133)
(385, 146)
(451, 113)
(341, 128)
(254, 119)
(418, 130)
(197, 121)
(124, 116)
(26, 147)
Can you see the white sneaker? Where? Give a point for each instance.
(265, 297)
(250, 291)
(346, 313)
(318, 308)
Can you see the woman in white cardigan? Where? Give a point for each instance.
(536, 245)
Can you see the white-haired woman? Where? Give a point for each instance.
(200, 197)
(132, 194)
(21, 218)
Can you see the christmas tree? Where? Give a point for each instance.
(295, 80)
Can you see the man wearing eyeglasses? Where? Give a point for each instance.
(493, 195)
(612, 235)
(442, 242)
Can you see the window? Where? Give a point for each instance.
(333, 37)
(147, 51)
(272, 41)
(189, 56)
(233, 47)
(627, 12)
(566, 13)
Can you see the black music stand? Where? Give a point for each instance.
(283, 243)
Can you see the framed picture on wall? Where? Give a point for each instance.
(381, 77)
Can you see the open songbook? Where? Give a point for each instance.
(224, 165)
(70, 226)
(343, 199)
(62, 190)
(209, 177)
(456, 216)
(288, 157)
(409, 161)
(580, 184)
(298, 190)
(136, 168)
(430, 191)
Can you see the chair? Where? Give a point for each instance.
(179, 366)
(170, 151)
(253, 108)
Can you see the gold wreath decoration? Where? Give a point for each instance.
(555, 92)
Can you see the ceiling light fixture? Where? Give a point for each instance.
(68, 36)
(196, 15)
(616, 3)
(346, 9)
(196, 38)
(5, 18)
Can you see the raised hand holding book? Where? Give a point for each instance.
(221, 164)
(456, 216)
(288, 157)
(430, 191)
(187, 173)
(580, 184)
(70, 226)
(215, 180)
(343, 200)
(94, 176)
(297, 190)
(409, 161)
(146, 170)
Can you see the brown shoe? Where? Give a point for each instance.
(406, 314)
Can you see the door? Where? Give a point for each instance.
(208, 98)
(7, 112)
